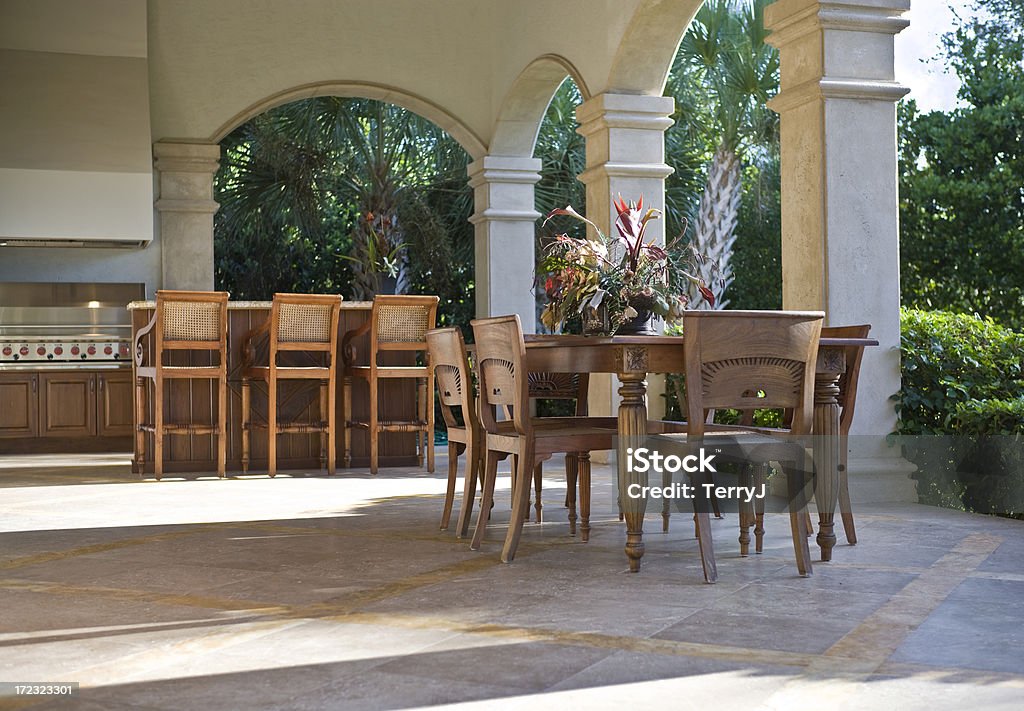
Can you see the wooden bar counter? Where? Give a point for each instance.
(194, 401)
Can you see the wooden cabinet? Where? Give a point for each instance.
(71, 405)
(67, 404)
(114, 404)
(19, 404)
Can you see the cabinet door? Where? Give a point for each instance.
(114, 404)
(19, 414)
(67, 404)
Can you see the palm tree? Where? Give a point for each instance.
(319, 194)
(724, 57)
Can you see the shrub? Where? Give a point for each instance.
(962, 379)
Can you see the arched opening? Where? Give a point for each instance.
(344, 195)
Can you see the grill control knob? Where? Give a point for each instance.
(74, 350)
(40, 351)
(7, 350)
(58, 350)
(23, 350)
(108, 350)
(91, 350)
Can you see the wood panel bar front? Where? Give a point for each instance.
(195, 401)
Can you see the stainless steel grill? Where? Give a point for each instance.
(66, 324)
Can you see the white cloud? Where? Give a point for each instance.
(917, 46)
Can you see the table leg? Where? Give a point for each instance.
(826, 457)
(632, 431)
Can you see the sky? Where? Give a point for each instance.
(929, 85)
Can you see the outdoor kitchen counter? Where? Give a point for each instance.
(194, 401)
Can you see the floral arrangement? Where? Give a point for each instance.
(616, 284)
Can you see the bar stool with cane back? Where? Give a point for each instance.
(301, 326)
(193, 324)
(397, 324)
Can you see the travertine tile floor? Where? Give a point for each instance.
(309, 592)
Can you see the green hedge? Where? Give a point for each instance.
(962, 408)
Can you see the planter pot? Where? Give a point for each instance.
(640, 325)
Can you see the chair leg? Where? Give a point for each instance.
(760, 481)
(158, 429)
(332, 430)
(347, 417)
(453, 473)
(797, 486)
(520, 506)
(222, 424)
(473, 472)
(584, 481)
(140, 418)
(746, 513)
(487, 497)
(374, 425)
(666, 512)
(572, 464)
(246, 422)
(272, 426)
(538, 479)
(845, 509)
(323, 430)
(421, 405)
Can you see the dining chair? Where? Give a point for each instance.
(457, 402)
(188, 327)
(749, 360)
(504, 386)
(302, 328)
(397, 324)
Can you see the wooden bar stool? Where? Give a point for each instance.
(397, 323)
(195, 324)
(304, 326)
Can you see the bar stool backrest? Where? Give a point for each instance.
(305, 322)
(400, 323)
(191, 320)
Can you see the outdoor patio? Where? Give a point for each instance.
(317, 592)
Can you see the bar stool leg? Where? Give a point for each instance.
(158, 428)
(222, 425)
(347, 417)
(272, 423)
(323, 419)
(246, 422)
(374, 430)
(421, 415)
(140, 418)
(332, 424)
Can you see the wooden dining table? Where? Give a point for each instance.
(632, 358)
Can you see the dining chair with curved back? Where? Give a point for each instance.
(301, 326)
(398, 324)
(754, 359)
(504, 386)
(187, 326)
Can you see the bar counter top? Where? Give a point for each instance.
(357, 305)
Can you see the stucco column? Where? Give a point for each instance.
(186, 207)
(840, 219)
(625, 136)
(504, 223)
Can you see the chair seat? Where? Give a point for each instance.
(179, 372)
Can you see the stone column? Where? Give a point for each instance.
(505, 223)
(186, 207)
(625, 156)
(840, 219)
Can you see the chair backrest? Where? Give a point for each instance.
(500, 366)
(561, 386)
(751, 359)
(304, 322)
(191, 320)
(449, 359)
(848, 380)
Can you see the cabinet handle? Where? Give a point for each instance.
(101, 383)
(34, 379)
(92, 386)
